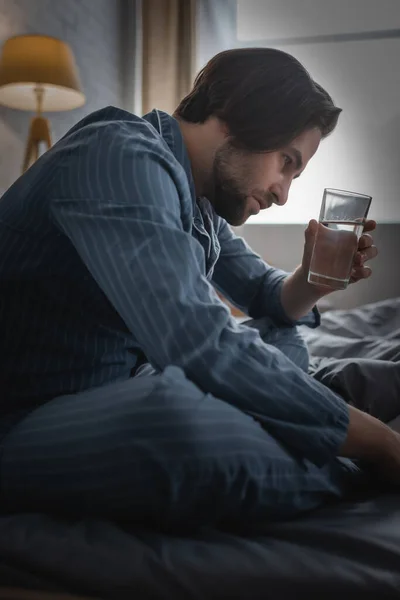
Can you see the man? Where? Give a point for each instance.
(128, 388)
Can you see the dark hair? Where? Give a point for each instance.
(265, 96)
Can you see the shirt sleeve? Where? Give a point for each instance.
(250, 284)
(121, 208)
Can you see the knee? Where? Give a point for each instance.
(178, 399)
(174, 387)
(200, 419)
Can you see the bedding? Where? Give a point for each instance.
(357, 353)
(344, 550)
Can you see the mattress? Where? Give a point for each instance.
(344, 551)
(349, 549)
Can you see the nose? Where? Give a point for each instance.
(281, 193)
(281, 190)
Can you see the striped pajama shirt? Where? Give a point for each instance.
(108, 261)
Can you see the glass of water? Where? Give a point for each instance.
(341, 223)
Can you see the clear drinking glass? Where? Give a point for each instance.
(341, 223)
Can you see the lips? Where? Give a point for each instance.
(263, 204)
(266, 202)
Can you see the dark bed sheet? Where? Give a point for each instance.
(350, 550)
(344, 551)
(357, 354)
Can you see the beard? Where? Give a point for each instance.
(227, 192)
(229, 202)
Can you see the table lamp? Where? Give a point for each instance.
(38, 73)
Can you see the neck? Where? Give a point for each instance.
(201, 141)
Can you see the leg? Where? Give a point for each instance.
(159, 450)
(287, 339)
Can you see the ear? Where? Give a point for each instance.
(222, 127)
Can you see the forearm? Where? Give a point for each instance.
(367, 437)
(297, 296)
(246, 279)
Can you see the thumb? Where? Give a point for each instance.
(309, 235)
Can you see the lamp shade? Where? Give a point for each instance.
(31, 61)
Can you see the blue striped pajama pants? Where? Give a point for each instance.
(157, 449)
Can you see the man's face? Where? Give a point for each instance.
(243, 183)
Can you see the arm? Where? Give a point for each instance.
(298, 297)
(249, 281)
(255, 287)
(123, 216)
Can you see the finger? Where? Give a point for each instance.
(359, 273)
(365, 241)
(313, 225)
(366, 254)
(369, 225)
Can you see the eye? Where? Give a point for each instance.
(287, 159)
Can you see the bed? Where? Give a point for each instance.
(347, 549)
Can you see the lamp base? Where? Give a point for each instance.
(39, 132)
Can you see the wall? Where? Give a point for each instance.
(93, 29)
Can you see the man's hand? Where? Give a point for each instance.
(298, 296)
(370, 439)
(365, 251)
